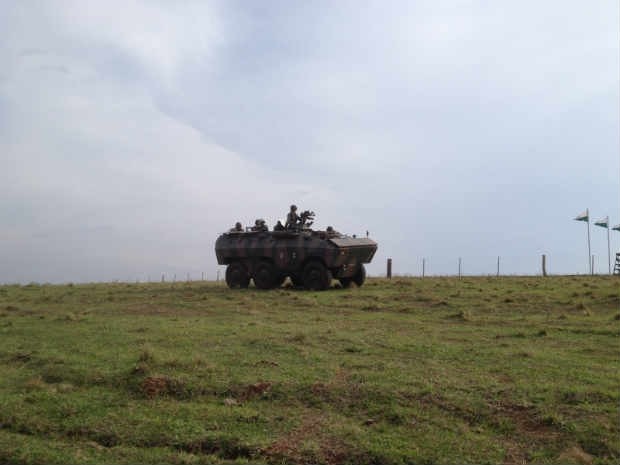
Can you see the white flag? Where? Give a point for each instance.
(583, 217)
(603, 223)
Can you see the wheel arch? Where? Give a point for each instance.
(313, 258)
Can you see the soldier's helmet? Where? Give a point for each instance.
(238, 226)
(293, 208)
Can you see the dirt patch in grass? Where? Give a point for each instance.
(255, 390)
(371, 308)
(21, 357)
(523, 427)
(268, 363)
(240, 394)
(463, 315)
(159, 310)
(309, 443)
(575, 454)
(527, 421)
(229, 448)
(530, 431)
(156, 386)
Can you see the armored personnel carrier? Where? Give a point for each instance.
(310, 258)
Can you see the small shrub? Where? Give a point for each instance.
(463, 315)
(297, 337)
(353, 349)
(35, 384)
(146, 356)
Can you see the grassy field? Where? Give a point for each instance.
(439, 370)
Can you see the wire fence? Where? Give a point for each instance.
(218, 276)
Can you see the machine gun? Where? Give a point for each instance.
(306, 219)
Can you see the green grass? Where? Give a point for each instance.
(435, 370)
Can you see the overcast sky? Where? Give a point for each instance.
(132, 133)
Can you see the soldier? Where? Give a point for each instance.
(259, 225)
(292, 219)
(237, 228)
(279, 226)
(331, 232)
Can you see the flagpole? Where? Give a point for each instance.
(608, 248)
(589, 248)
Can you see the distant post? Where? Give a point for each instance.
(604, 223)
(163, 278)
(389, 268)
(498, 265)
(459, 267)
(423, 266)
(544, 265)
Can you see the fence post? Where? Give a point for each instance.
(544, 265)
(389, 268)
(498, 265)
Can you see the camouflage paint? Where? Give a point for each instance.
(290, 251)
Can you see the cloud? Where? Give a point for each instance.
(132, 133)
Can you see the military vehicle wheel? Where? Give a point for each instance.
(360, 276)
(265, 276)
(237, 276)
(316, 277)
(345, 282)
(297, 280)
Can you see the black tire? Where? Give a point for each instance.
(316, 277)
(237, 276)
(297, 280)
(345, 282)
(360, 276)
(265, 276)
